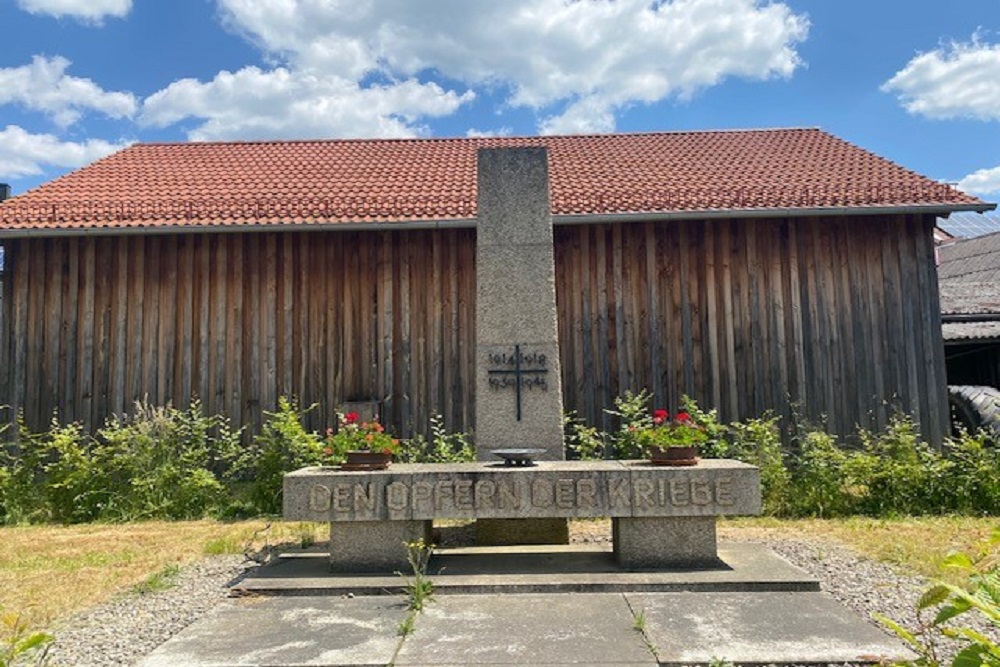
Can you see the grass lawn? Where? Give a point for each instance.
(48, 572)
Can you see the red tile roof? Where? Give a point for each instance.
(310, 182)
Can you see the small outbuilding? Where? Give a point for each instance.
(783, 270)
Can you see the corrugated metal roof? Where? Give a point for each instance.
(971, 260)
(969, 298)
(954, 332)
(366, 181)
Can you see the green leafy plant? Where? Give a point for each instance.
(418, 587)
(283, 445)
(19, 645)
(716, 445)
(583, 442)
(639, 622)
(819, 483)
(980, 595)
(443, 447)
(158, 581)
(632, 412)
(758, 442)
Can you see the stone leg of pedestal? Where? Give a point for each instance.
(665, 542)
(374, 546)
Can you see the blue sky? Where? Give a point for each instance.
(916, 81)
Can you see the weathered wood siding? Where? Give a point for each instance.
(836, 317)
(241, 319)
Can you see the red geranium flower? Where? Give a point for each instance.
(660, 415)
(683, 417)
(351, 418)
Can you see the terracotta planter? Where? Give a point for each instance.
(674, 456)
(367, 461)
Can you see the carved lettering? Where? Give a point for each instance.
(341, 498)
(363, 498)
(397, 496)
(661, 492)
(679, 493)
(319, 498)
(586, 493)
(463, 494)
(701, 492)
(484, 494)
(724, 491)
(643, 490)
(541, 493)
(565, 496)
(510, 496)
(422, 494)
(443, 488)
(618, 492)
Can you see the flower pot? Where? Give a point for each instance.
(673, 456)
(363, 460)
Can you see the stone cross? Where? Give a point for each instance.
(518, 383)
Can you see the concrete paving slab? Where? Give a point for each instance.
(279, 632)
(582, 629)
(762, 628)
(538, 569)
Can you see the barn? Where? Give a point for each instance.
(753, 270)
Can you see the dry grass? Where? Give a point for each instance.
(47, 572)
(915, 545)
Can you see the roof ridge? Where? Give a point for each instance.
(368, 140)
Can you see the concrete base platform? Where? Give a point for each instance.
(620, 629)
(536, 569)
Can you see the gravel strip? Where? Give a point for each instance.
(125, 630)
(122, 632)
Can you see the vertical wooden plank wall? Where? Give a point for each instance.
(92, 325)
(835, 318)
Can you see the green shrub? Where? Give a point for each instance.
(818, 483)
(584, 443)
(283, 445)
(27, 486)
(161, 462)
(717, 445)
(633, 416)
(154, 463)
(974, 473)
(758, 442)
(895, 473)
(443, 447)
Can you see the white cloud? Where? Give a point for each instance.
(984, 182)
(590, 57)
(253, 103)
(589, 115)
(474, 133)
(44, 86)
(88, 11)
(24, 154)
(954, 81)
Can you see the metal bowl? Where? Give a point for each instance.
(517, 457)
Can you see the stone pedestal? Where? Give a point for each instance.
(662, 517)
(374, 546)
(665, 542)
(518, 380)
